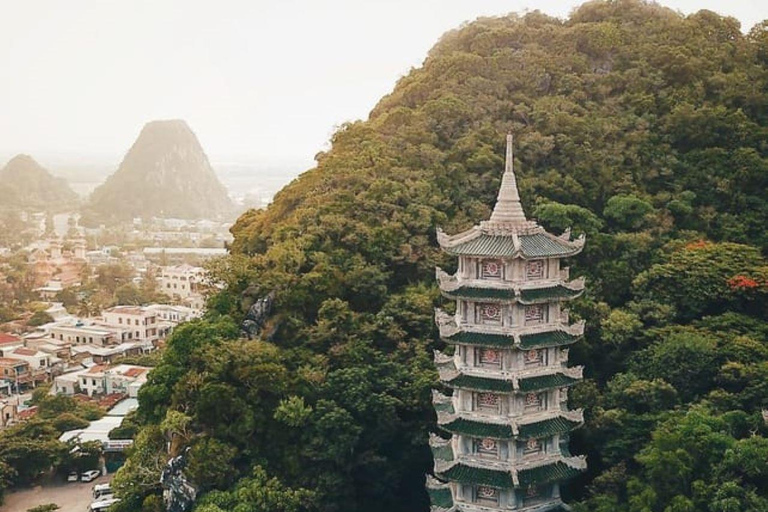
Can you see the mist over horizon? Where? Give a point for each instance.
(256, 81)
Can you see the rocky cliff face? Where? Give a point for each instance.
(25, 184)
(165, 174)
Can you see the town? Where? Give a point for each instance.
(86, 321)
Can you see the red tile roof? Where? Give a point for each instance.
(25, 351)
(27, 413)
(7, 338)
(133, 372)
(10, 361)
(98, 368)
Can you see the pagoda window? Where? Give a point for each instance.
(486, 495)
(491, 269)
(533, 447)
(536, 314)
(534, 269)
(488, 402)
(535, 494)
(534, 401)
(488, 357)
(488, 314)
(487, 448)
(534, 357)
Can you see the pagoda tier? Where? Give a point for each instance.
(506, 424)
(559, 334)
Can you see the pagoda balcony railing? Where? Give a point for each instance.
(448, 326)
(514, 420)
(450, 282)
(542, 506)
(574, 372)
(474, 507)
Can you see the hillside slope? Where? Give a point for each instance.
(25, 184)
(165, 174)
(636, 125)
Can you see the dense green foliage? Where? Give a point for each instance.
(638, 126)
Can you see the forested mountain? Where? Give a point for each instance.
(638, 126)
(165, 174)
(25, 184)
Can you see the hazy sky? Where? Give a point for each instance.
(254, 79)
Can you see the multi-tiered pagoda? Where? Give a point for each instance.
(508, 375)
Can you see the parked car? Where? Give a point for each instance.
(102, 492)
(90, 475)
(73, 477)
(102, 506)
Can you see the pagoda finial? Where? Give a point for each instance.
(508, 209)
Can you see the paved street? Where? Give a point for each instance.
(71, 497)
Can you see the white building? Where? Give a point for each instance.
(140, 322)
(103, 379)
(181, 281)
(77, 332)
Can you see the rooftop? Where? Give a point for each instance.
(7, 338)
(508, 233)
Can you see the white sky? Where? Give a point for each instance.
(254, 79)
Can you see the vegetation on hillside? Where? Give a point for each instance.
(26, 185)
(636, 125)
(165, 173)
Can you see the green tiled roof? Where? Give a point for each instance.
(478, 429)
(481, 476)
(481, 384)
(440, 498)
(539, 245)
(471, 292)
(485, 245)
(546, 428)
(446, 406)
(532, 246)
(442, 452)
(483, 339)
(546, 339)
(544, 474)
(549, 293)
(554, 380)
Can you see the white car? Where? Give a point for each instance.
(88, 476)
(103, 505)
(73, 477)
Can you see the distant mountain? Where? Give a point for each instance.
(165, 174)
(25, 184)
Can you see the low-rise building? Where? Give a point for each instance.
(105, 355)
(78, 333)
(102, 379)
(127, 379)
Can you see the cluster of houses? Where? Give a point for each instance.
(57, 265)
(77, 354)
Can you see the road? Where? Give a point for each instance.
(70, 497)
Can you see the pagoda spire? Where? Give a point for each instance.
(508, 209)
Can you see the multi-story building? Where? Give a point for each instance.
(139, 322)
(19, 374)
(508, 414)
(181, 281)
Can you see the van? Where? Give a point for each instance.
(100, 490)
(103, 505)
